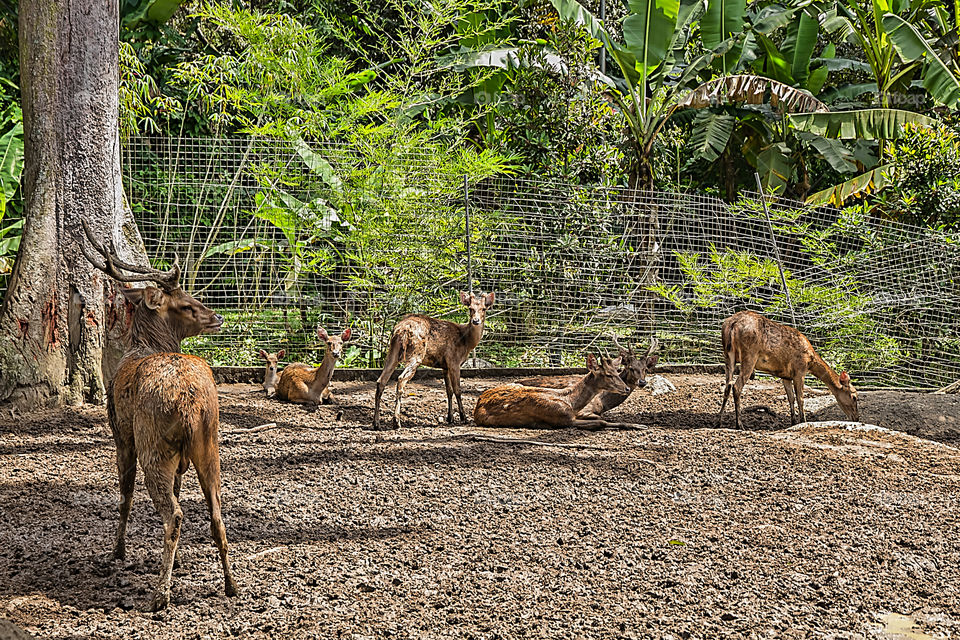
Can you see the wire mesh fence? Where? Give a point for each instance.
(281, 236)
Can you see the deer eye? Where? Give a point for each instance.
(186, 308)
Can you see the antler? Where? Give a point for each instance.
(653, 347)
(613, 336)
(168, 280)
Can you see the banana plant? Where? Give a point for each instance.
(652, 60)
(941, 80)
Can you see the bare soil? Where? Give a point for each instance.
(676, 530)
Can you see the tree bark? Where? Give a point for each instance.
(61, 318)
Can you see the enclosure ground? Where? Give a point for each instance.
(677, 530)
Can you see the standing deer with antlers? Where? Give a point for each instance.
(419, 339)
(760, 344)
(516, 405)
(633, 375)
(162, 407)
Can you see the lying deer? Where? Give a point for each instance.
(270, 375)
(162, 407)
(311, 385)
(516, 405)
(633, 375)
(760, 344)
(419, 339)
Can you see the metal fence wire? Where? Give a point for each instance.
(281, 237)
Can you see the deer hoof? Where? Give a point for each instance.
(160, 600)
(119, 552)
(230, 588)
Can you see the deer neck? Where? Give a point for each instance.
(582, 392)
(828, 376)
(323, 373)
(150, 334)
(470, 335)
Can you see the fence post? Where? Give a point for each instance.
(776, 249)
(466, 224)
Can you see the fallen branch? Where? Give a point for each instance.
(265, 552)
(950, 388)
(558, 445)
(263, 427)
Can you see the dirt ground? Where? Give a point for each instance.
(677, 530)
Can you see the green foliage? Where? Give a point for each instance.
(924, 174)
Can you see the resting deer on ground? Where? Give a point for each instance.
(515, 405)
(162, 407)
(270, 375)
(419, 339)
(760, 344)
(311, 385)
(633, 375)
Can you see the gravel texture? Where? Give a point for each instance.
(677, 530)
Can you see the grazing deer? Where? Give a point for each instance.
(515, 405)
(162, 407)
(311, 385)
(633, 375)
(419, 339)
(760, 344)
(270, 375)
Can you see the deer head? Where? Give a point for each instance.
(847, 398)
(606, 373)
(477, 305)
(164, 315)
(334, 343)
(635, 369)
(272, 359)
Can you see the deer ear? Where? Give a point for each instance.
(623, 353)
(346, 334)
(152, 297)
(591, 362)
(322, 334)
(488, 299)
(133, 296)
(281, 353)
(465, 298)
(651, 362)
(845, 378)
(263, 354)
(617, 361)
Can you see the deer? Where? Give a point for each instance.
(760, 344)
(304, 384)
(633, 375)
(419, 339)
(517, 405)
(162, 407)
(270, 375)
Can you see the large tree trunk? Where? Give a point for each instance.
(60, 317)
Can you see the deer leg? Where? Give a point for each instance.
(448, 385)
(788, 387)
(798, 387)
(455, 383)
(388, 367)
(326, 396)
(405, 377)
(159, 477)
(208, 472)
(177, 481)
(127, 470)
(746, 372)
(729, 360)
